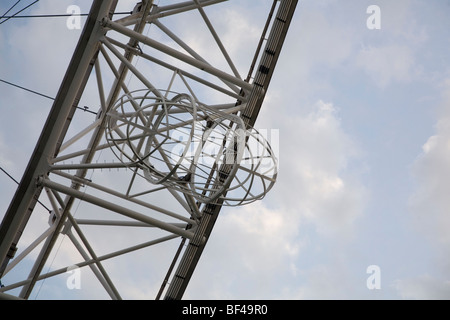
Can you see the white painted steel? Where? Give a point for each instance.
(169, 130)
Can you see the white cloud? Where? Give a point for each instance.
(320, 42)
(267, 240)
(268, 231)
(390, 55)
(429, 207)
(400, 20)
(314, 49)
(259, 250)
(315, 177)
(423, 287)
(430, 202)
(323, 282)
(248, 244)
(388, 64)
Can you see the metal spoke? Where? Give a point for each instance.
(168, 148)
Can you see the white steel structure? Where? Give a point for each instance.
(172, 142)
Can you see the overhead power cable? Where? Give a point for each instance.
(3, 16)
(59, 15)
(86, 109)
(17, 182)
(32, 91)
(15, 14)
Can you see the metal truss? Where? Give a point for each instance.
(172, 142)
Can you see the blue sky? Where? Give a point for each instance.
(364, 125)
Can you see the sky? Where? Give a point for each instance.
(363, 122)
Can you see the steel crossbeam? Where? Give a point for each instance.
(138, 123)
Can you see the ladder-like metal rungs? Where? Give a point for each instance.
(261, 82)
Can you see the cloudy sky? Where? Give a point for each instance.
(363, 117)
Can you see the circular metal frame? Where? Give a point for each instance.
(187, 146)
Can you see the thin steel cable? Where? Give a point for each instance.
(4, 15)
(17, 182)
(19, 11)
(41, 94)
(57, 15)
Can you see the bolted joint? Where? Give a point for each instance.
(12, 251)
(39, 181)
(104, 22)
(67, 229)
(53, 217)
(137, 8)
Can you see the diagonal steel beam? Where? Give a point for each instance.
(27, 193)
(211, 211)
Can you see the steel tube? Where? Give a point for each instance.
(180, 71)
(130, 199)
(25, 197)
(116, 223)
(116, 208)
(91, 261)
(176, 54)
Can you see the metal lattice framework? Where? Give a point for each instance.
(172, 142)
